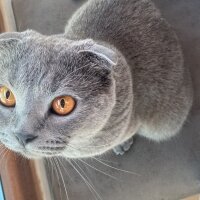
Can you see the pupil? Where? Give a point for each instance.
(7, 94)
(62, 103)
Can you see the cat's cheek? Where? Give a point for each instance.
(11, 143)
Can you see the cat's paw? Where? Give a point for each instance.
(122, 148)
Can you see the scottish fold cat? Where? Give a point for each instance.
(117, 70)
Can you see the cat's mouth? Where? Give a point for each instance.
(47, 151)
(36, 151)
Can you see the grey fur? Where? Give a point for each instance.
(119, 59)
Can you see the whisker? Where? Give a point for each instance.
(108, 161)
(118, 169)
(66, 192)
(51, 166)
(55, 168)
(65, 169)
(113, 177)
(84, 173)
(87, 65)
(91, 188)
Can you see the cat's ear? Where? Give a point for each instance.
(105, 53)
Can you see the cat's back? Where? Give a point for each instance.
(129, 25)
(161, 83)
(137, 29)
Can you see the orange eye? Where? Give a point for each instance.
(63, 105)
(6, 97)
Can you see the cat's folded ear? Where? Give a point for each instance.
(100, 51)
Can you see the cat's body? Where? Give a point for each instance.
(161, 83)
(130, 78)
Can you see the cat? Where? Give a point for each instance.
(117, 70)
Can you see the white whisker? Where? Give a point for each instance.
(84, 173)
(118, 169)
(113, 177)
(66, 192)
(91, 188)
(65, 169)
(55, 168)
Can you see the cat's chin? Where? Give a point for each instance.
(86, 153)
(35, 154)
(30, 156)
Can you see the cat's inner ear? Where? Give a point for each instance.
(102, 52)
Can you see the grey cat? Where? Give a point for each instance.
(122, 64)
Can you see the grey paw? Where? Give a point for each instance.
(122, 148)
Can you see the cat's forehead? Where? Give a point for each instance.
(47, 64)
(45, 47)
(40, 61)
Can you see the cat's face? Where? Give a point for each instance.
(38, 69)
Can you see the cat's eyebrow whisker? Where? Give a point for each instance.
(74, 79)
(118, 169)
(93, 84)
(83, 76)
(87, 65)
(89, 73)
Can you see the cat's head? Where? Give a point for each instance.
(56, 94)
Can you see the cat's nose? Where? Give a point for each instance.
(25, 138)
